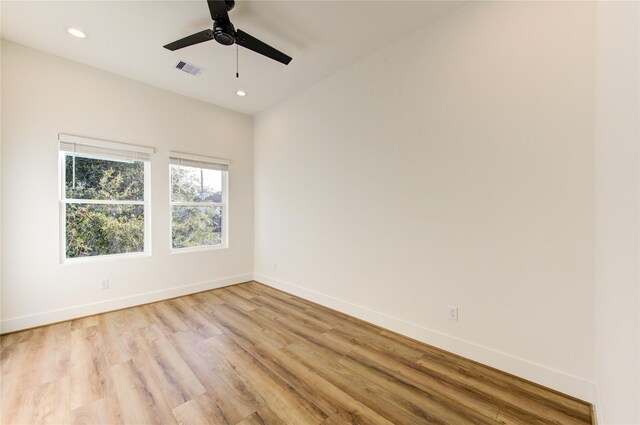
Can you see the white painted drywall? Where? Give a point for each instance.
(453, 167)
(43, 95)
(617, 190)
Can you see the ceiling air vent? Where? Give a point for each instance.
(188, 68)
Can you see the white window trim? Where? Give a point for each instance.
(174, 251)
(224, 204)
(63, 201)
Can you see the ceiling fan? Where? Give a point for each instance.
(225, 33)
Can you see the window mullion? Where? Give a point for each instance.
(197, 204)
(103, 202)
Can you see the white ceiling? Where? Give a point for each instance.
(126, 38)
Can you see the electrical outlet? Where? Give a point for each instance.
(104, 283)
(453, 312)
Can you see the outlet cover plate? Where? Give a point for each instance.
(453, 312)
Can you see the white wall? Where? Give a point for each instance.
(43, 95)
(617, 129)
(453, 167)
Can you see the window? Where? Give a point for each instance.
(198, 201)
(104, 206)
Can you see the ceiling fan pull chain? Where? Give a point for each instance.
(237, 72)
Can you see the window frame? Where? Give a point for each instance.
(224, 222)
(64, 201)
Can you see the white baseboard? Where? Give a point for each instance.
(62, 314)
(541, 374)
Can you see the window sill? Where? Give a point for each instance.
(99, 258)
(197, 249)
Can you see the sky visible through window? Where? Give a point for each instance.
(212, 180)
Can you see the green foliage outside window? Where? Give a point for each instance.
(102, 179)
(103, 229)
(195, 221)
(196, 226)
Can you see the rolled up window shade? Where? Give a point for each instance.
(197, 161)
(102, 148)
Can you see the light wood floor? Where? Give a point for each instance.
(249, 355)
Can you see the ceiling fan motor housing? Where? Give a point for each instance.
(224, 33)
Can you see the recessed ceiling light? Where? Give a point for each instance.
(76, 32)
(241, 93)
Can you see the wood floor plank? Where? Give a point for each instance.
(303, 333)
(438, 404)
(246, 329)
(243, 291)
(149, 333)
(509, 396)
(11, 356)
(288, 299)
(300, 316)
(9, 395)
(57, 351)
(208, 298)
(40, 404)
(323, 314)
(232, 330)
(248, 287)
(234, 396)
(43, 357)
(326, 364)
(521, 387)
(195, 321)
(374, 357)
(119, 345)
(249, 354)
(89, 372)
(373, 339)
(140, 398)
(310, 385)
(105, 411)
(263, 416)
(292, 408)
(232, 299)
(176, 380)
(201, 410)
(85, 322)
(23, 336)
(336, 420)
(164, 318)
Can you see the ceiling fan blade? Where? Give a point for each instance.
(190, 40)
(250, 42)
(218, 9)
